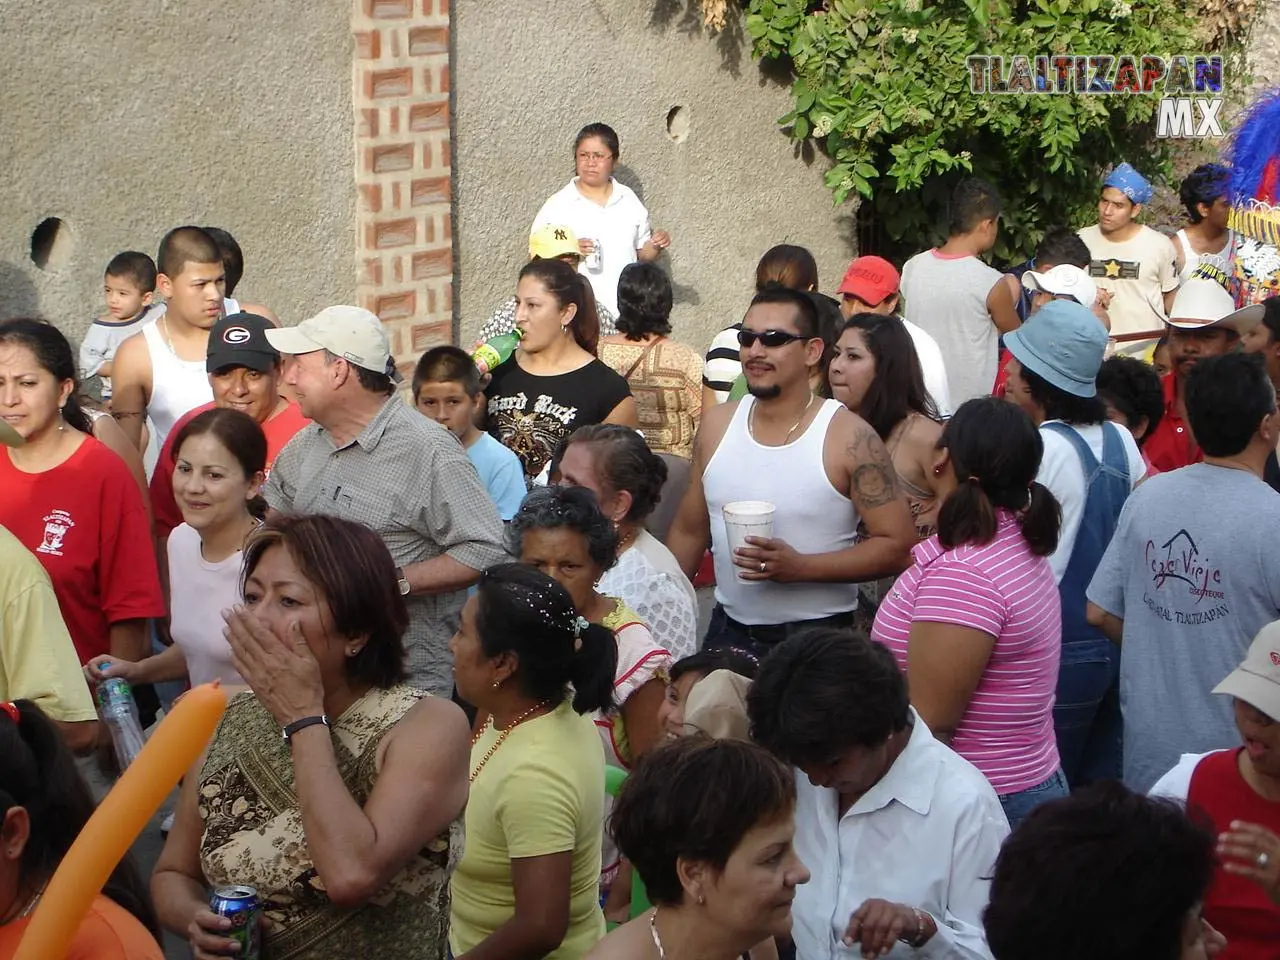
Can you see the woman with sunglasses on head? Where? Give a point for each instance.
(44, 804)
(553, 383)
(611, 223)
(876, 373)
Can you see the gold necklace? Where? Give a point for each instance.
(541, 704)
(751, 420)
(164, 329)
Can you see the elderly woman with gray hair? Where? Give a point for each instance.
(561, 531)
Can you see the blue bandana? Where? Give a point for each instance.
(1129, 182)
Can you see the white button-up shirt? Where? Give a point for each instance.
(925, 836)
(621, 227)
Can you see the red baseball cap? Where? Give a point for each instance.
(871, 280)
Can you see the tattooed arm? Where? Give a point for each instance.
(873, 487)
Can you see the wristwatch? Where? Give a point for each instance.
(302, 724)
(401, 582)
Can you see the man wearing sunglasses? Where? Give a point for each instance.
(821, 467)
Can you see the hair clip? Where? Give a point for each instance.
(11, 709)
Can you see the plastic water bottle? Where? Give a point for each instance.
(493, 354)
(120, 713)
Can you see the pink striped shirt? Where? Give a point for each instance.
(1004, 590)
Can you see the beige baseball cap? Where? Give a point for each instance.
(352, 333)
(717, 706)
(1257, 680)
(10, 437)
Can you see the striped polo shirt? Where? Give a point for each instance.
(1002, 589)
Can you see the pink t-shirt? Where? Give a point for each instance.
(1002, 589)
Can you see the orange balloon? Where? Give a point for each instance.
(172, 749)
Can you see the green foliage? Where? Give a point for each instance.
(884, 85)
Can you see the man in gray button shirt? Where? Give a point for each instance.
(368, 457)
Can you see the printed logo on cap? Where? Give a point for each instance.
(561, 235)
(236, 335)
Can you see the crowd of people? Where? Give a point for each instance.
(998, 677)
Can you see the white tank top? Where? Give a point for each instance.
(1191, 259)
(177, 386)
(810, 515)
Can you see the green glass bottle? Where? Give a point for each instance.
(494, 353)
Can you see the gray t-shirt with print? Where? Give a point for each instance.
(1192, 571)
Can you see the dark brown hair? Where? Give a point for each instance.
(995, 452)
(53, 352)
(568, 286)
(788, 265)
(38, 773)
(623, 461)
(183, 245)
(694, 799)
(234, 429)
(351, 568)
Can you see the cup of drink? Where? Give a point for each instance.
(747, 518)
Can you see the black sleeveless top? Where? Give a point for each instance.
(531, 414)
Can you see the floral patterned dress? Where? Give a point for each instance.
(253, 834)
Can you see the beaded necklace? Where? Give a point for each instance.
(502, 736)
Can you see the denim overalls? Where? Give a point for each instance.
(1086, 714)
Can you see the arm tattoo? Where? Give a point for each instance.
(872, 480)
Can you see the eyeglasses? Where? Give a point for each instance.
(596, 157)
(770, 338)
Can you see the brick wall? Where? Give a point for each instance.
(404, 224)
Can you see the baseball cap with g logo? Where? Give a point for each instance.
(240, 340)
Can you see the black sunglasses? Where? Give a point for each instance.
(770, 338)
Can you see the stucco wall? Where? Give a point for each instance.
(127, 118)
(733, 188)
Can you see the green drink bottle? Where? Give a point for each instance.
(491, 355)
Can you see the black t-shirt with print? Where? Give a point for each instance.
(531, 414)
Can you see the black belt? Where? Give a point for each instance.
(774, 633)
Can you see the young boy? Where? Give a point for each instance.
(446, 388)
(129, 285)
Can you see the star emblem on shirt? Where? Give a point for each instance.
(1112, 267)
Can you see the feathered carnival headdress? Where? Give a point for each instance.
(1254, 151)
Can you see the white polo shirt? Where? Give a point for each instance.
(620, 227)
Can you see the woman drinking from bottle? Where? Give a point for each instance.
(554, 383)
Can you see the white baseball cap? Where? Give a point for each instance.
(1257, 680)
(352, 333)
(1200, 303)
(1064, 280)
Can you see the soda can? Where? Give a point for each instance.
(114, 693)
(239, 904)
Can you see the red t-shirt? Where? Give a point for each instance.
(87, 524)
(1170, 446)
(1238, 908)
(107, 932)
(279, 429)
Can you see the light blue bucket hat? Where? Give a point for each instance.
(1064, 344)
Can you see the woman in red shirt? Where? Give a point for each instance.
(1238, 790)
(72, 501)
(43, 807)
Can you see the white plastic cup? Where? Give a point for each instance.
(747, 518)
